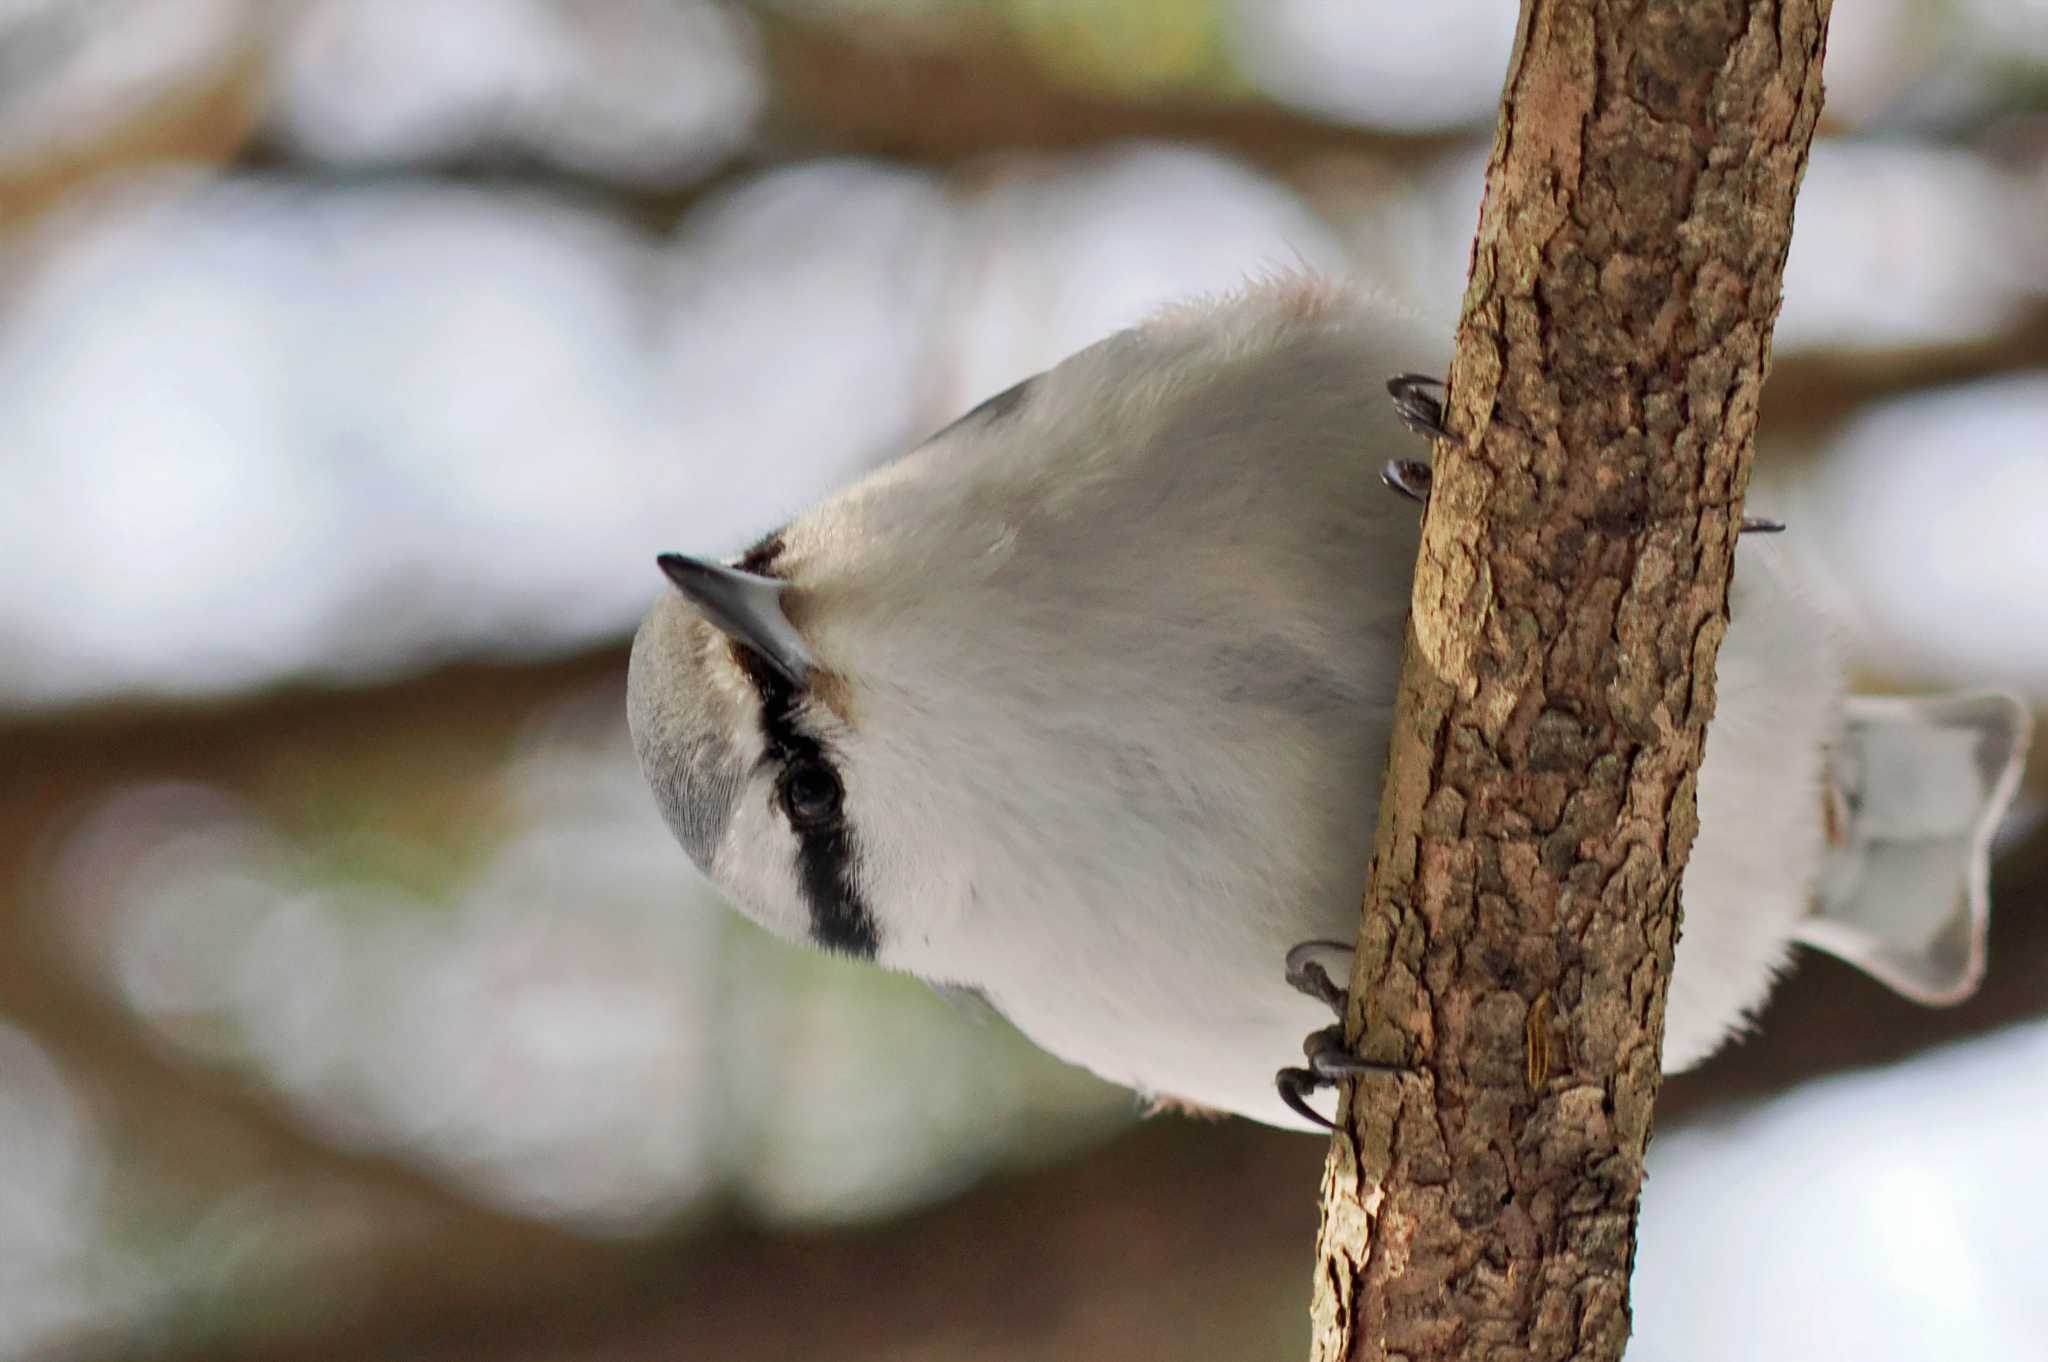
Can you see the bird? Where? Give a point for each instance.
(1081, 708)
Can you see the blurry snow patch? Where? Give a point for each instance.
(1933, 66)
(1408, 233)
(1057, 254)
(255, 431)
(261, 431)
(1900, 1214)
(800, 312)
(72, 71)
(828, 315)
(1411, 67)
(1900, 246)
(650, 92)
(1927, 514)
(1894, 63)
(546, 1038)
(1927, 66)
(577, 1032)
(1869, 58)
(2010, 32)
(52, 1175)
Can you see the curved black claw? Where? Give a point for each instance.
(1409, 477)
(1306, 974)
(1329, 1062)
(1753, 524)
(1295, 1085)
(1419, 410)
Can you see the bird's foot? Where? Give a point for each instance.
(1419, 409)
(1422, 412)
(1308, 974)
(1330, 1061)
(1409, 477)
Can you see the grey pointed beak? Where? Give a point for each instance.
(747, 608)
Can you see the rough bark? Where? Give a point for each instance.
(1569, 601)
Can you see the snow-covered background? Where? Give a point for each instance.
(355, 358)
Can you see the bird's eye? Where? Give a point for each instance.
(810, 793)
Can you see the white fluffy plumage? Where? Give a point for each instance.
(1104, 678)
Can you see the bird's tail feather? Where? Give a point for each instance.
(1918, 787)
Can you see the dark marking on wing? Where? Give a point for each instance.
(993, 410)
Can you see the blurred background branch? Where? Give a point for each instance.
(355, 358)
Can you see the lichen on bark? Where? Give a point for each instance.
(1570, 598)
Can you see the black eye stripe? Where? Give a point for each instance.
(760, 559)
(826, 850)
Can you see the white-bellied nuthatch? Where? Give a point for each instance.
(1083, 706)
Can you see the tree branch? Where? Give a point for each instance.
(1569, 602)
